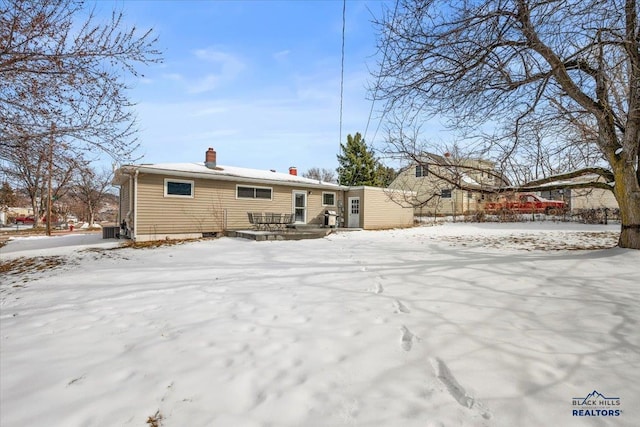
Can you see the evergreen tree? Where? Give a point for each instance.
(7, 195)
(358, 165)
(386, 174)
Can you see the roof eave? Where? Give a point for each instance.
(129, 169)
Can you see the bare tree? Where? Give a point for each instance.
(325, 175)
(90, 189)
(571, 69)
(30, 169)
(451, 165)
(62, 74)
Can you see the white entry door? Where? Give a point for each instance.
(300, 207)
(354, 212)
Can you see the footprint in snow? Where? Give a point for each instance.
(444, 375)
(400, 307)
(377, 289)
(407, 338)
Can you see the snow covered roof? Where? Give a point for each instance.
(225, 173)
(588, 178)
(468, 180)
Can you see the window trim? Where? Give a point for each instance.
(424, 171)
(334, 198)
(442, 194)
(181, 181)
(254, 187)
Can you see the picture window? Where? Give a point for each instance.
(178, 188)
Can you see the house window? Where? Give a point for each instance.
(328, 199)
(178, 188)
(422, 170)
(263, 193)
(445, 194)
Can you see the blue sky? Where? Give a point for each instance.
(257, 80)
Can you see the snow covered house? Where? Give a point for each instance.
(432, 182)
(580, 199)
(191, 200)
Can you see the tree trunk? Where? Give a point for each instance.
(36, 212)
(90, 217)
(627, 192)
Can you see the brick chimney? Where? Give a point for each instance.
(210, 158)
(293, 170)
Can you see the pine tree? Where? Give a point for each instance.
(7, 195)
(386, 174)
(358, 165)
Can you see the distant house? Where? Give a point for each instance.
(432, 180)
(579, 199)
(189, 200)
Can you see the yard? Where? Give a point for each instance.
(450, 325)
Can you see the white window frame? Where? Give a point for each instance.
(254, 192)
(182, 181)
(424, 171)
(334, 198)
(442, 194)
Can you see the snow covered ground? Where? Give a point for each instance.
(451, 325)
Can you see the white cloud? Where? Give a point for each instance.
(208, 111)
(205, 84)
(173, 76)
(226, 67)
(283, 54)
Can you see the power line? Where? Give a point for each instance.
(344, 24)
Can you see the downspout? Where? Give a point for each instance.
(135, 206)
(127, 216)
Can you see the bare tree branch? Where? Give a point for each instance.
(545, 87)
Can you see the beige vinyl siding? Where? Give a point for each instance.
(592, 198)
(380, 209)
(429, 185)
(125, 198)
(213, 208)
(315, 209)
(354, 192)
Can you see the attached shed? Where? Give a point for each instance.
(373, 208)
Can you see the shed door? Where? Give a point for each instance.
(354, 212)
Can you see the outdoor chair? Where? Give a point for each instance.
(258, 220)
(286, 220)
